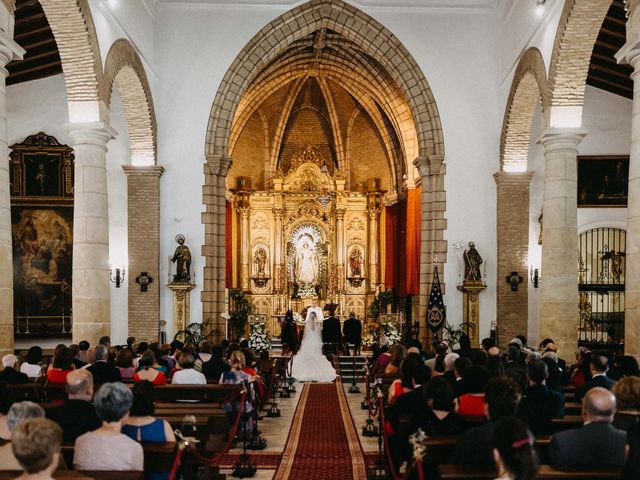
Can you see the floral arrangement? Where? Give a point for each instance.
(259, 340)
(392, 332)
(298, 318)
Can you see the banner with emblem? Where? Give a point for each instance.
(436, 310)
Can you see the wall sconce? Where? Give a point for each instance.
(117, 276)
(144, 279)
(535, 276)
(514, 279)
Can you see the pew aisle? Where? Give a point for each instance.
(275, 431)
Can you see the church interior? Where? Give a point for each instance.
(290, 205)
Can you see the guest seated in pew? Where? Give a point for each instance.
(216, 365)
(627, 392)
(36, 446)
(382, 360)
(494, 362)
(187, 375)
(75, 352)
(61, 367)
(513, 451)
(501, 401)
(150, 370)
(598, 442)
(598, 367)
(9, 374)
(236, 376)
(107, 448)
(460, 366)
(514, 367)
(436, 363)
(471, 405)
(556, 377)
(76, 416)
(449, 368)
(123, 362)
(32, 366)
(440, 417)
(101, 370)
(626, 366)
(632, 465)
(409, 370)
(539, 403)
(141, 425)
(6, 400)
(580, 371)
(204, 353)
(18, 413)
(397, 354)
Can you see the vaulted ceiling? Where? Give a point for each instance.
(33, 33)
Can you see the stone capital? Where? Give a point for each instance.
(422, 165)
(561, 138)
(219, 164)
(513, 178)
(95, 134)
(151, 171)
(630, 53)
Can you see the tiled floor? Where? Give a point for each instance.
(369, 444)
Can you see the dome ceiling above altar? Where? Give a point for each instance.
(324, 91)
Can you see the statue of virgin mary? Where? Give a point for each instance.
(307, 265)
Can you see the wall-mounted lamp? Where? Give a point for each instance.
(117, 276)
(514, 279)
(535, 276)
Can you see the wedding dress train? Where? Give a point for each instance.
(310, 364)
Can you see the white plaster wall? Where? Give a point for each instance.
(41, 105)
(463, 72)
(607, 117)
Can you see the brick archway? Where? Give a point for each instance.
(72, 26)
(124, 69)
(512, 191)
(578, 29)
(368, 36)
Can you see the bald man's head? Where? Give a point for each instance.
(598, 405)
(80, 384)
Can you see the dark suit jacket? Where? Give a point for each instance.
(597, 381)
(331, 330)
(474, 448)
(352, 330)
(538, 406)
(595, 444)
(103, 372)
(214, 368)
(12, 376)
(76, 417)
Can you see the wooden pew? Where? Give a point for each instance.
(567, 422)
(39, 392)
(210, 393)
(468, 472)
(157, 456)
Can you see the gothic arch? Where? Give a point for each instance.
(527, 88)
(72, 26)
(124, 69)
(369, 35)
(577, 31)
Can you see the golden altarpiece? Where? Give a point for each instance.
(306, 238)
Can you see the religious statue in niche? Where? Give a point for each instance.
(307, 258)
(355, 262)
(472, 262)
(260, 266)
(182, 259)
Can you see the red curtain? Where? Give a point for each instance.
(228, 242)
(392, 245)
(402, 264)
(411, 265)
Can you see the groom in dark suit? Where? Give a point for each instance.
(352, 330)
(331, 328)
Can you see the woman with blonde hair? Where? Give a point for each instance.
(36, 445)
(236, 376)
(398, 352)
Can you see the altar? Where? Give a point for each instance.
(306, 238)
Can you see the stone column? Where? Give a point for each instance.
(559, 290)
(9, 50)
(340, 248)
(91, 310)
(433, 224)
(630, 54)
(214, 248)
(513, 248)
(277, 247)
(143, 238)
(244, 248)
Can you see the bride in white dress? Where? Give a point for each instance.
(309, 364)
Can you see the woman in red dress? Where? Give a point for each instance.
(62, 365)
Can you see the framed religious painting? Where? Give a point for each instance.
(603, 181)
(41, 172)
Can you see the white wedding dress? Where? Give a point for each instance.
(309, 364)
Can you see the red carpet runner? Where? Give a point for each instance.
(323, 443)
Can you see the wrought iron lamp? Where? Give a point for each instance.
(535, 276)
(117, 276)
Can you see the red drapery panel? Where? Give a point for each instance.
(228, 242)
(392, 246)
(411, 265)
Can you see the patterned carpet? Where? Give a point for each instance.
(323, 443)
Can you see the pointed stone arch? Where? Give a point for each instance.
(364, 35)
(124, 69)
